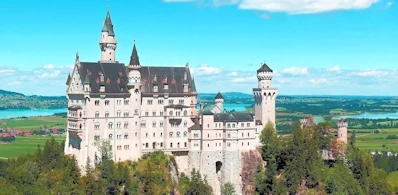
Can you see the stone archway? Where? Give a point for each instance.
(218, 166)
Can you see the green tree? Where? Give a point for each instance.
(228, 189)
(353, 139)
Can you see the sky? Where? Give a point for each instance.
(318, 47)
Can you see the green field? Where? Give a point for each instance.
(24, 145)
(375, 141)
(35, 123)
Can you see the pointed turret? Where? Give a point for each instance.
(134, 60)
(108, 26)
(264, 68)
(68, 80)
(108, 42)
(219, 96)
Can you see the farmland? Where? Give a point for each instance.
(24, 145)
(33, 123)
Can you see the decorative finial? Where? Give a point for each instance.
(107, 7)
(134, 40)
(77, 56)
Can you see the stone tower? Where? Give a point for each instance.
(108, 42)
(342, 126)
(134, 86)
(219, 101)
(265, 96)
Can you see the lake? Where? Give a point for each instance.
(229, 107)
(6, 114)
(371, 116)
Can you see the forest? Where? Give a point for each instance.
(294, 165)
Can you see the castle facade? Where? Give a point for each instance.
(142, 109)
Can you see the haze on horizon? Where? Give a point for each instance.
(347, 48)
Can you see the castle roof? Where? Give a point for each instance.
(134, 60)
(115, 78)
(219, 96)
(342, 120)
(233, 117)
(108, 26)
(171, 76)
(264, 68)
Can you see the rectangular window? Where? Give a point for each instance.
(161, 113)
(126, 102)
(248, 124)
(171, 101)
(149, 102)
(153, 113)
(160, 102)
(242, 124)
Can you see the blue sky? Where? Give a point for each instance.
(329, 47)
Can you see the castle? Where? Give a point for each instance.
(141, 109)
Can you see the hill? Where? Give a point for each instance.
(12, 100)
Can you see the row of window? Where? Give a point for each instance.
(161, 145)
(171, 134)
(219, 144)
(233, 125)
(107, 102)
(160, 102)
(177, 113)
(154, 124)
(118, 114)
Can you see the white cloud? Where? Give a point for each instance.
(52, 74)
(7, 71)
(389, 4)
(234, 74)
(204, 69)
(244, 79)
(293, 6)
(372, 73)
(49, 66)
(295, 71)
(334, 69)
(318, 81)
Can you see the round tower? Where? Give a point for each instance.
(108, 42)
(264, 76)
(342, 126)
(264, 96)
(219, 101)
(134, 86)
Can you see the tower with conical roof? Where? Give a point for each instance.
(219, 101)
(264, 97)
(108, 42)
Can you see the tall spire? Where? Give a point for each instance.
(134, 60)
(108, 26)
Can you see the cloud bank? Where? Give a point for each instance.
(292, 6)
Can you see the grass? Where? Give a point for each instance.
(392, 179)
(375, 141)
(24, 145)
(32, 123)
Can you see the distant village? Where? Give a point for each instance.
(8, 135)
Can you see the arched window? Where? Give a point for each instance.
(161, 144)
(154, 124)
(119, 113)
(136, 111)
(126, 113)
(110, 125)
(178, 145)
(185, 123)
(97, 114)
(185, 144)
(185, 133)
(126, 136)
(178, 134)
(161, 123)
(110, 136)
(171, 134)
(126, 125)
(119, 125)
(146, 145)
(185, 113)
(96, 126)
(80, 126)
(106, 114)
(171, 145)
(171, 113)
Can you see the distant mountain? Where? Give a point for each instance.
(11, 100)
